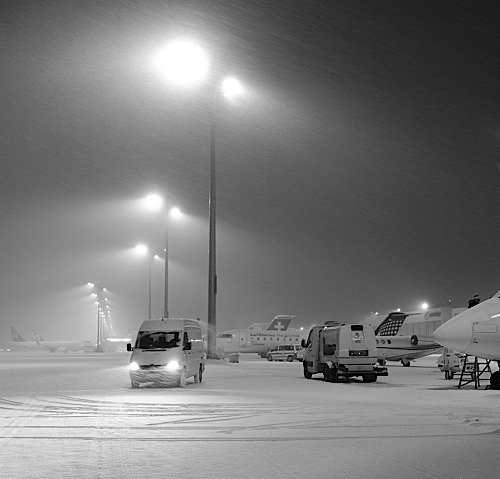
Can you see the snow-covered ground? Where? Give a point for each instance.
(75, 415)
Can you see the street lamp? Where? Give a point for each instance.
(98, 295)
(154, 202)
(142, 250)
(185, 64)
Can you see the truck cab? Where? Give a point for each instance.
(342, 351)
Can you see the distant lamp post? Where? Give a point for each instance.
(142, 250)
(154, 202)
(98, 296)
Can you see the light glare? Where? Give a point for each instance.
(153, 202)
(183, 63)
(175, 213)
(141, 249)
(232, 88)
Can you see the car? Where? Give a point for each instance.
(286, 352)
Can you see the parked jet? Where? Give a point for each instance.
(258, 338)
(38, 343)
(406, 336)
(475, 331)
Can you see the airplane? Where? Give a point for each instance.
(475, 332)
(258, 338)
(406, 336)
(39, 344)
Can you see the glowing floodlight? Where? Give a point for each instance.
(153, 202)
(424, 306)
(141, 249)
(232, 88)
(175, 213)
(183, 63)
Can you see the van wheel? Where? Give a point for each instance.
(199, 377)
(369, 378)
(289, 359)
(405, 362)
(269, 357)
(181, 382)
(135, 384)
(307, 374)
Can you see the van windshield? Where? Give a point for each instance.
(157, 340)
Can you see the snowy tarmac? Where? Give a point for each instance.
(75, 415)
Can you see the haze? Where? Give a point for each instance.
(358, 173)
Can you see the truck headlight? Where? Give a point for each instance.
(173, 365)
(134, 366)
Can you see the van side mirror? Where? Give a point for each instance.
(129, 347)
(303, 343)
(187, 347)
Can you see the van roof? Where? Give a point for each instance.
(168, 324)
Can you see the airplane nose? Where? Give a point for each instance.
(454, 334)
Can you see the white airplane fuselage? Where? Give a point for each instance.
(258, 341)
(475, 331)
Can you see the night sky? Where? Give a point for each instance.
(359, 172)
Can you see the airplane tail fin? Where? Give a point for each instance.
(390, 326)
(280, 322)
(16, 336)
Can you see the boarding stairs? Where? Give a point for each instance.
(473, 369)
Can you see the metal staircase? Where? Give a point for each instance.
(473, 369)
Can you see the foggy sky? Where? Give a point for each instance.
(359, 173)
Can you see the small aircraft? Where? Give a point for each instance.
(476, 332)
(406, 336)
(39, 344)
(258, 338)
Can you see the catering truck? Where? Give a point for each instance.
(167, 351)
(341, 351)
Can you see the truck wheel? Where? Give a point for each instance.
(330, 374)
(289, 359)
(495, 380)
(369, 378)
(405, 362)
(269, 357)
(307, 374)
(135, 384)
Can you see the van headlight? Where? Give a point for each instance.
(134, 366)
(173, 365)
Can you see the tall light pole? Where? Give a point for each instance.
(185, 63)
(155, 202)
(230, 88)
(98, 294)
(142, 250)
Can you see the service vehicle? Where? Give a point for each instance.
(284, 352)
(342, 351)
(451, 363)
(167, 351)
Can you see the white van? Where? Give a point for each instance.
(167, 351)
